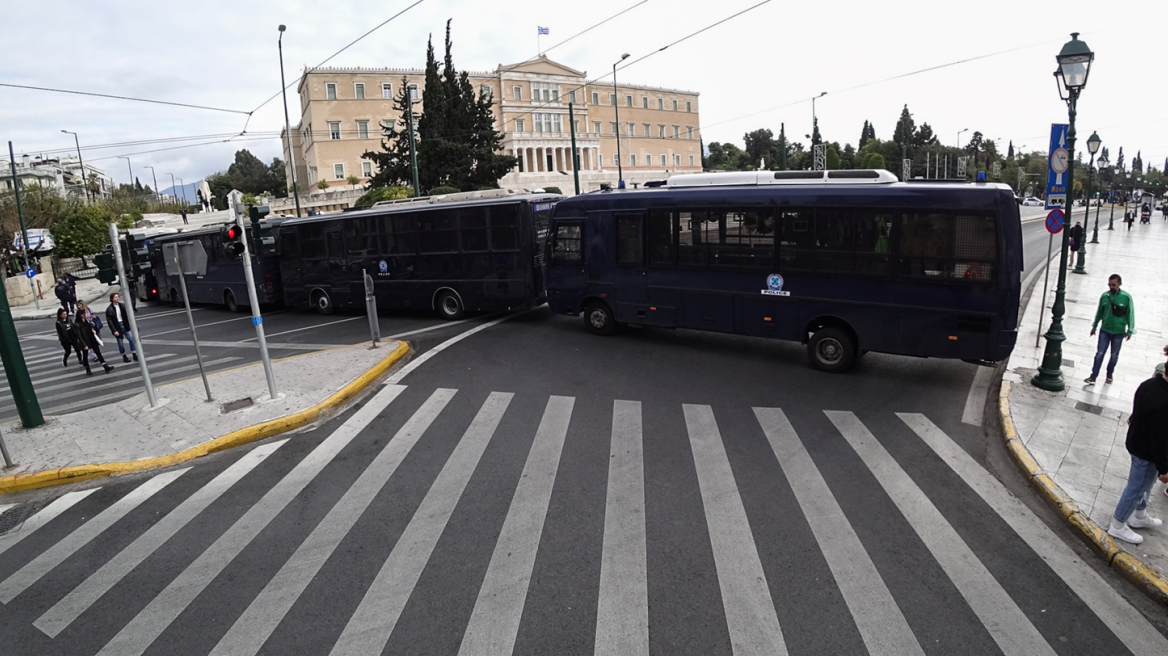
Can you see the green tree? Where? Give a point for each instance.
(81, 230)
(383, 193)
(442, 190)
(814, 136)
(833, 158)
(924, 136)
(353, 180)
(848, 157)
(322, 184)
(874, 161)
(250, 175)
(279, 178)
(905, 128)
(761, 148)
(783, 148)
(726, 157)
(220, 185)
(864, 134)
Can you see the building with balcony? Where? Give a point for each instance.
(342, 110)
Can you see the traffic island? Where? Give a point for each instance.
(130, 436)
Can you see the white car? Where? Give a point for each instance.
(1032, 201)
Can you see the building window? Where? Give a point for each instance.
(663, 160)
(632, 129)
(413, 90)
(362, 129)
(615, 160)
(677, 160)
(647, 130)
(688, 106)
(596, 127)
(485, 91)
(556, 93)
(613, 126)
(689, 132)
(334, 130)
(595, 98)
(675, 104)
(628, 101)
(632, 160)
(691, 160)
(359, 90)
(572, 97)
(387, 90)
(660, 103)
(330, 90)
(676, 132)
(576, 126)
(660, 131)
(338, 171)
(520, 125)
(644, 102)
(367, 169)
(612, 99)
(517, 92)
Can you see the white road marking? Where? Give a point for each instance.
(421, 359)
(30, 525)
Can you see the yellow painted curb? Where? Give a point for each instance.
(1097, 537)
(1055, 496)
(259, 431)
(1022, 456)
(1134, 570)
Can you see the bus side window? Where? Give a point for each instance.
(630, 245)
(874, 242)
(835, 236)
(661, 237)
(796, 240)
(948, 246)
(472, 224)
(567, 246)
(691, 242)
(505, 228)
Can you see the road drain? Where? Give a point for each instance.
(232, 406)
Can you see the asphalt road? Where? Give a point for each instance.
(529, 488)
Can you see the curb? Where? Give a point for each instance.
(1143, 576)
(17, 483)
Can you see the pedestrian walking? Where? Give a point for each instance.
(66, 292)
(1076, 234)
(1117, 312)
(115, 316)
(184, 216)
(92, 318)
(68, 338)
(1129, 217)
(90, 342)
(1147, 442)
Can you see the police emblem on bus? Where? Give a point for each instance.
(775, 286)
(383, 266)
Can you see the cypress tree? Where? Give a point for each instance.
(393, 160)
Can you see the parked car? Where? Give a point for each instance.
(1032, 201)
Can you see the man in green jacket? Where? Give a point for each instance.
(1117, 311)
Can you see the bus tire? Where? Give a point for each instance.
(229, 301)
(598, 318)
(322, 302)
(449, 306)
(831, 349)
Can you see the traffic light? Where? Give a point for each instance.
(138, 253)
(107, 271)
(232, 238)
(263, 232)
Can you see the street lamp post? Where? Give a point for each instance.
(620, 175)
(287, 124)
(173, 193)
(184, 191)
(1102, 166)
(814, 124)
(81, 163)
(1111, 200)
(1074, 65)
(958, 149)
(157, 197)
(128, 168)
(1092, 147)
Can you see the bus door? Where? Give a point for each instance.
(630, 285)
(338, 270)
(566, 281)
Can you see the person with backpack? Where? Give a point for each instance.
(68, 338)
(115, 316)
(90, 342)
(66, 292)
(1117, 312)
(92, 318)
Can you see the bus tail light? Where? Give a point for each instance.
(953, 338)
(766, 318)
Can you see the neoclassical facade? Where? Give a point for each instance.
(342, 109)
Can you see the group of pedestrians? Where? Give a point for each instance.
(79, 333)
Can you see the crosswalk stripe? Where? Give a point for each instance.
(147, 625)
(78, 374)
(879, 620)
(622, 614)
(5, 506)
(494, 623)
(368, 630)
(58, 506)
(248, 634)
(98, 400)
(1002, 618)
(750, 611)
(1131, 627)
(55, 555)
(61, 615)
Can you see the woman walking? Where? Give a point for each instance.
(68, 337)
(91, 317)
(89, 341)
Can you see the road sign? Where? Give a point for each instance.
(1054, 221)
(191, 254)
(31, 273)
(1058, 162)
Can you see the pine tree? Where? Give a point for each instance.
(782, 147)
(815, 138)
(433, 153)
(394, 168)
(871, 133)
(1010, 152)
(864, 134)
(905, 128)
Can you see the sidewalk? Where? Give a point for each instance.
(131, 436)
(1076, 437)
(89, 290)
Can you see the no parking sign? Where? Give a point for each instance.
(1054, 221)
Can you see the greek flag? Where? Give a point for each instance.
(544, 30)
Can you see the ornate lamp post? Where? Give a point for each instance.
(1074, 65)
(1092, 147)
(620, 172)
(1103, 165)
(1111, 198)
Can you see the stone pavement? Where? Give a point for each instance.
(132, 436)
(1077, 435)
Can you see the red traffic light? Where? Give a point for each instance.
(233, 232)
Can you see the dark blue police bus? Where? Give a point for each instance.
(845, 261)
(223, 283)
(473, 251)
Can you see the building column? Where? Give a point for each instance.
(530, 159)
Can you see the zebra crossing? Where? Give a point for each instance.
(52, 580)
(61, 389)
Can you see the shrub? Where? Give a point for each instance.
(552, 190)
(383, 193)
(81, 230)
(438, 191)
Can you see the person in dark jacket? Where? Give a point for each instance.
(68, 337)
(89, 341)
(115, 318)
(1147, 442)
(66, 291)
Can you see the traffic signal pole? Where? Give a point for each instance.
(235, 202)
(129, 310)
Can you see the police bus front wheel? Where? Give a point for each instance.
(831, 349)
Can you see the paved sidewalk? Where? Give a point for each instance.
(88, 290)
(131, 436)
(1077, 436)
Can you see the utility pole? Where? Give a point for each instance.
(123, 279)
(413, 146)
(235, 203)
(575, 157)
(23, 228)
(287, 124)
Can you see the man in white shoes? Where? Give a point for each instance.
(1147, 442)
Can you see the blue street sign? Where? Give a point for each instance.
(257, 321)
(31, 273)
(1054, 222)
(1058, 166)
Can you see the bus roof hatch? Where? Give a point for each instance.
(843, 176)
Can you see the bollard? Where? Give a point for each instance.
(8, 464)
(371, 309)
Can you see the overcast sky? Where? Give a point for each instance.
(754, 71)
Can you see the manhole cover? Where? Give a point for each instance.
(1087, 407)
(14, 517)
(1068, 363)
(232, 406)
